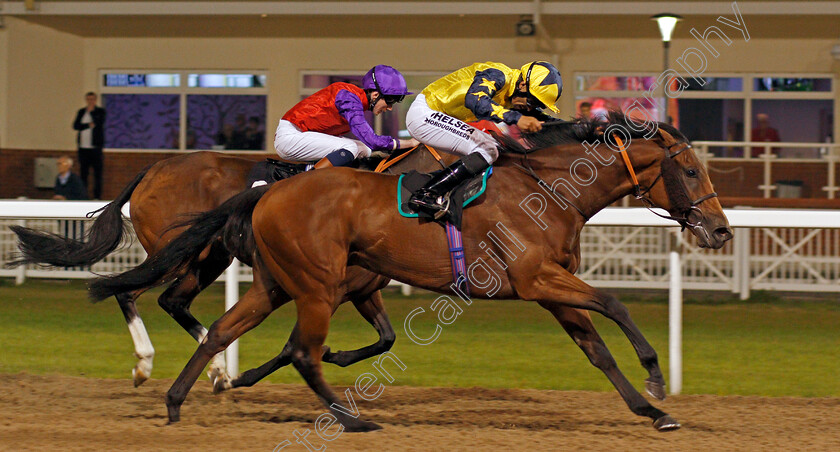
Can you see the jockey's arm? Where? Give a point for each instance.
(350, 107)
(479, 98)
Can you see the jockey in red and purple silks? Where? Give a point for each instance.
(311, 130)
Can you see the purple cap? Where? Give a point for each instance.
(386, 80)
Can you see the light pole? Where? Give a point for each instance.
(667, 22)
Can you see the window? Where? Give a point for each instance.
(156, 110)
(726, 108)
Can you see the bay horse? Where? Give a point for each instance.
(161, 196)
(308, 229)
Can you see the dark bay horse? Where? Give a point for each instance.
(308, 230)
(161, 196)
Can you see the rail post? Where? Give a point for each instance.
(20, 273)
(231, 297)
(675, 323)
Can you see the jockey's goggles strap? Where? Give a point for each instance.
(629, 165)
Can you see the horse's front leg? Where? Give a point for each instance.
(371, 309)
(556, 289)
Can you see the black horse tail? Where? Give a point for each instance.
(107, 233)
(230, 222)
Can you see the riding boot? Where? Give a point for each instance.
(433, 198)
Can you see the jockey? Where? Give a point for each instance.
(482, 91)
(310, 130)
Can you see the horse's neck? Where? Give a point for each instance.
(612, 180)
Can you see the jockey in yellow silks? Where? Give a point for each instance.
(482, 91)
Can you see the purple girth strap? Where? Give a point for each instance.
(456, 256)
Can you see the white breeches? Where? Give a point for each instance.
(293, 145)
(446, 133)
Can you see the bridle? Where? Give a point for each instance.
(639, 193)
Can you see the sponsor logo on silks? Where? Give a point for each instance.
(446, 119)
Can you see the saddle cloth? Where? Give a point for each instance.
(460, 196)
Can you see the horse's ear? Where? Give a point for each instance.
(667, 138)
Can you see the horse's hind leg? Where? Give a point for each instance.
(371, 308)
(313, 321)
(143, 349)
(176, 301)
(579, 326)
(249, 312)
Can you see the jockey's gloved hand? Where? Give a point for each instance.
(409, 143)
(529, 124)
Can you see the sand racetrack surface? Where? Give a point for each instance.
(73, 413)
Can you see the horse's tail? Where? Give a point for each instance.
(231, 219)
(106, 233)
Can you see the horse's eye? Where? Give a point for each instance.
(691, 172)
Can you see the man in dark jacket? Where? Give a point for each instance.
(68, 185)
(90, 123)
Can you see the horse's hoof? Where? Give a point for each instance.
(666, 424)
(655, 389)
(221, 384)
(361, 426)
(140, 375)
(174, 415)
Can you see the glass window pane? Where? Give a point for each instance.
(226, 81)
(713, 120)
(143, 80)
(613, 83)
(730, 84)
(142, 121)
(599, 106)
(226, 122)
(792, 120)
(791, 84)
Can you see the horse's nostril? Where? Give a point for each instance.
(723, 233)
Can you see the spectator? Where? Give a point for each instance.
(224, 136)
(254, 138)
(68, 185)
(237, 139)
(763, 133)
(90, 124)
(585, 110)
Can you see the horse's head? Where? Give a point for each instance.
(687, 193)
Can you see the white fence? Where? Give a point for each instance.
(772, 249)
(787, 250)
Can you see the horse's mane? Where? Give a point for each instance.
(580, 130)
